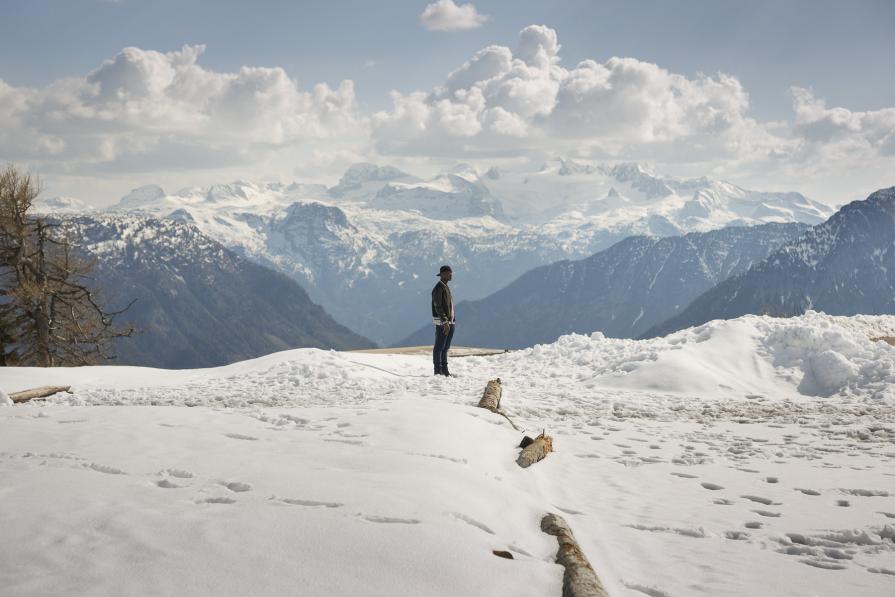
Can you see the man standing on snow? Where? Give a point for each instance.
(443, 318)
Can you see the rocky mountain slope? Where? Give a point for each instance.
(844, 266)
(621, 291)
(198, 303)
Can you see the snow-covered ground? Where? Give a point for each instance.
(749, 457)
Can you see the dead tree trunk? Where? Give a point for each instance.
(491, 397)
(535, 451)
(491, 400)
(42, 392)
(579, 579)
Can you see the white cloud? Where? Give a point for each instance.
(145, 110)
(164, 117)
(525, 98)
(523, 102)
(839, 130)
(444, 15)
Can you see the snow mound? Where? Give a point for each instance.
(776, 360)
(811, 355)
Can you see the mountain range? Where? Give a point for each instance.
(198, 303)
(368, 247)
(843, 266)
(621, 291)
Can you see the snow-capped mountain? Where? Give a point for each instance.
(198, 304)
(844, 266)
(621, 291)
(368, 248)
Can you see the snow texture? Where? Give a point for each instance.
(741, 457)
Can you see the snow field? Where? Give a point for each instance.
(384, 499)
(746, 457)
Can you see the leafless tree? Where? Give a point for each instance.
(49, 313)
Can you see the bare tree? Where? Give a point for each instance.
(49, 314)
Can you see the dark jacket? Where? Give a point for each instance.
(442, 304)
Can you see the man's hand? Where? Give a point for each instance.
(446, 328)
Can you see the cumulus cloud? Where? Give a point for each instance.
(165, 117)
(526, 98)
(444, 15)
(153, 109)
(839, 130)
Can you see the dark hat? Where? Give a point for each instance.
(444, 268)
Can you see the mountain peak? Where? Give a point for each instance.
(366, 172)
(363, 172)
(628, 171)
(142, 196)
(238, 189)
(567, 167)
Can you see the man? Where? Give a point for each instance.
(443, 318)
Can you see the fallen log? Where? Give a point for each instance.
(491, 400)
(579, 578)
(535, 451)
(37, 393)
(491, 396)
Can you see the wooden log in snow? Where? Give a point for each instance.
(535, 451)
(491, 397)
(579, 579)
(36, 393)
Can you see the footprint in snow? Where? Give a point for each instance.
(390, 519)
(440, 457)
(866, 492)
(166, 484)
(345, 441)
(472, 522)
(180, 474)
(888, 514)
(723, 502)
(767, 513)
(881, 571)
(753, 525)
(101, 468)
(684, 475)
(827, 565)
(237, 487)
(712, 486)
(241, 436)
(808, 491)
(217, 500)
(310, 503)
(760, 500)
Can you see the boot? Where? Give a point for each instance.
(438, 371)
(445, 372)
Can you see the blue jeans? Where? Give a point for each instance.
(442, 344)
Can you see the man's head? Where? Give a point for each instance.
(445, 273)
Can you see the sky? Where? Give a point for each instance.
(98, 97)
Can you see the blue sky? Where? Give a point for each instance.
(839, 53)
